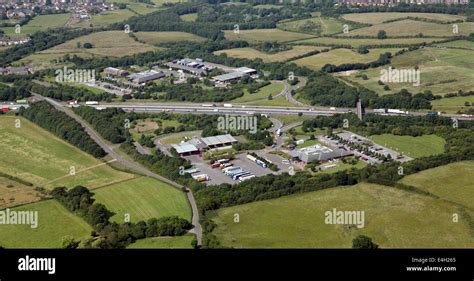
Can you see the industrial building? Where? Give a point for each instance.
(318, 152)
(112, 71)
(237, 74)
(219, 141)
(197, 145)
(145, 76)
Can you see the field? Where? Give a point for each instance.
(452, 105)
(48, 60)
(376, 18)
(342, 167)
(273, 89)
(104, 19)
(454, 182)
(177, 137)
(178, 242)
(278, 101)
(414, 147)
(13, 193)
(265, 35)
(155, 38)
(143, 198)
(357, 42)
(142, 9)
(250, 53)
(461, 44)
(441, 71)
(39, 23)
(37, 156)
(54, 223)
(189, 17)
(393, 219)
(413, 28)
(316, 25)
(341, 56)
(106, 43)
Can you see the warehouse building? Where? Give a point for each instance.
(112, 71)
(318, 152)
(197, 145)
(145, 76)
(219, 141)
(184, 149)
(237, 74)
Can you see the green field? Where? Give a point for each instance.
(189, 17)
(143, 198)
(278, 101)
(37, 156)
(273, 89)
(106, 18)
(393, 219)
(357, 42)
(454, 182)
(39, 23)
(341, 56)
(452, 105)
(376, 18)
(342, 167)
(461, 44)
(13, 193)
(178, 242)
(414, 147)
(441, 71)
(49, 60)
(316, 25)
(251, 53)
(54, 223)
(413, 28)
(178, 137)
(106, 43)
(265, 35)
(156, 38)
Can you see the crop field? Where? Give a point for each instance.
(273, 89)
(143, 198)
(341, 56)
(265, 35)
(442, 71)
(37, 156)
(106, 43)
(250, 53)
(376, 18)
(13, 193)
(393, 219)
(316, 25)
(54, 223)
(414, 147)
(452, 105)
(454, 182)
(357, 42)
(413, 28)
(156, 38)
(178, 242)
(39, 23)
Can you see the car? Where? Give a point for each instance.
(285, 161)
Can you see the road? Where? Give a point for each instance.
(131, 165)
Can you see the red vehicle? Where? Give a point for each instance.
(4, 109)
(216, 165)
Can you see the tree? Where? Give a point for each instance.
(363, 242)
(68, 242)
(88, 45)
(382, 34)
(78, 45)
(270, 97)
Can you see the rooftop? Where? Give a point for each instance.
(184, 147)
(221, 139)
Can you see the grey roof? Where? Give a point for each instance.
(184, 147)
(229, 76)
(216, 140)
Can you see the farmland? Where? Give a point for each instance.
(251, 53)
(106, 18)
(442, 71)
(13, 193)
(37, 156)
(272, 89)
(179, 242)
(357, 42)
(461, 44)
(262, 35)
(376, 18)
(452, 105)
(143, 198)
(39, 23)
(454, 182)
(156, 38)
(393, 219)
(316, 25)
(414, 147)
(54, 223)
(341, 56)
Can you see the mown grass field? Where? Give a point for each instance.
(452, 105)
(251, 53)
(393, 219)
(37, 156)
(376, 18)
(357, 42)
(278, 101)
(265, 35)
(413, 28)
(341, 56)
(178, 242)
(462, 44)
(273, 89)
(39, 23)
(106, 43)
(414, 147)
(155, 38)
(317, 25)
(143, 198)
(454, 182)
(441, 71)
(54, 223)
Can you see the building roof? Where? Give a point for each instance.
(216, 140)
(229, 76)
(245, 70)
(184, 147)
